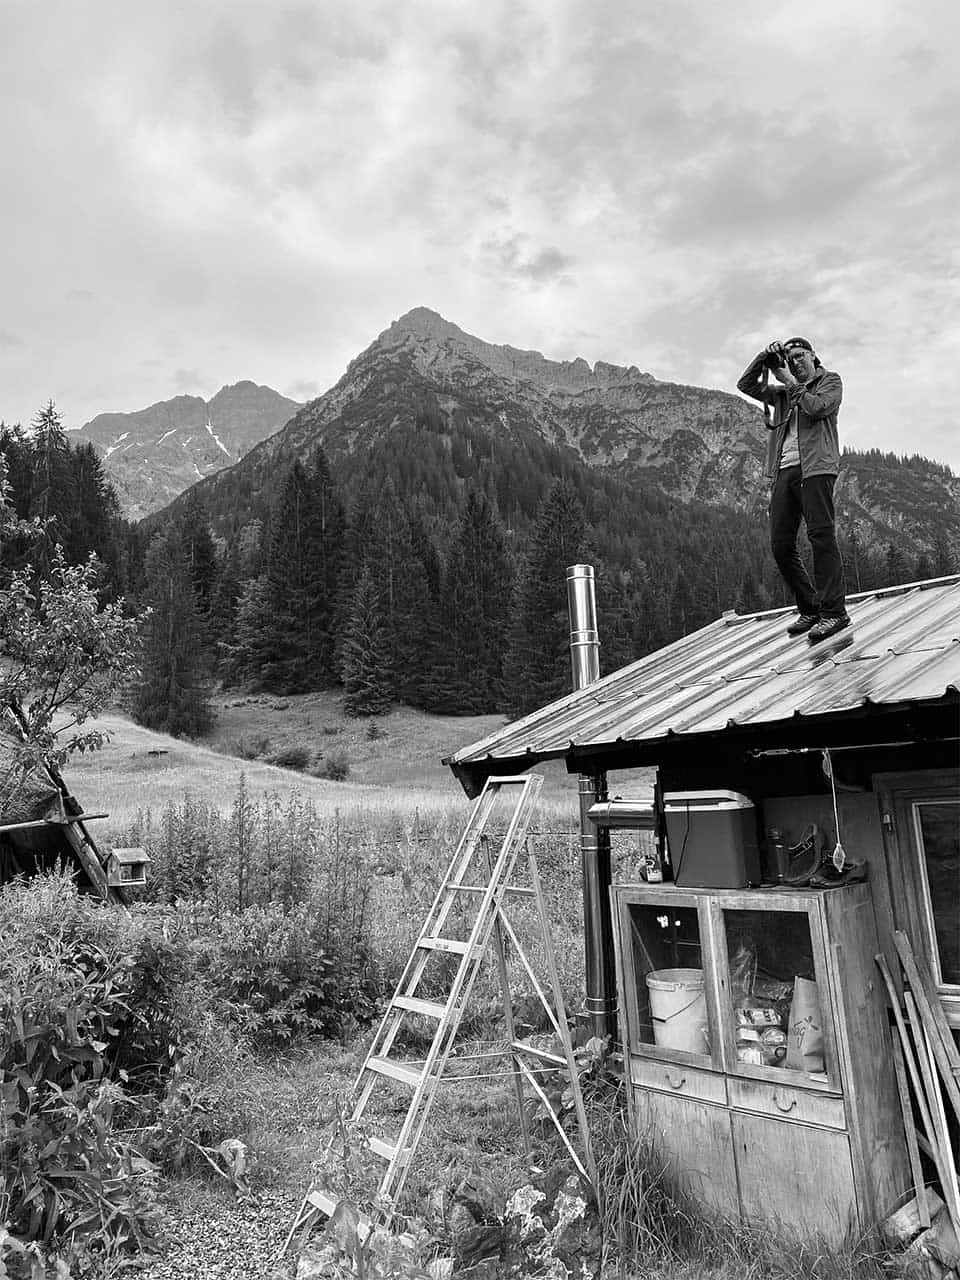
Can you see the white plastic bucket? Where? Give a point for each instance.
(678, 1008)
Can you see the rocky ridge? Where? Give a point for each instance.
(689, 441)
(154, 454)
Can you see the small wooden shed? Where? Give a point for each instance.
(855, 741)
(42, 825)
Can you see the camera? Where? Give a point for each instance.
(775, 356)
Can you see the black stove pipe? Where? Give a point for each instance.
(601, 994)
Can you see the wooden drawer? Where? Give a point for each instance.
(786, 1102)
(671, 1077)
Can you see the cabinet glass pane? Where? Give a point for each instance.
(777, 1020)
(938, 828)
(670, 997)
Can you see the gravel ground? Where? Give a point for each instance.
(212, 1236)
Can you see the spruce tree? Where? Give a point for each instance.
(94, 524)
(391, 562)
(53, 497)
(302, 566)
(537, 666)
(244, 657)
(366, 651)
(174, 692)
(474, 614)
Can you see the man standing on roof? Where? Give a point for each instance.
(803, 459)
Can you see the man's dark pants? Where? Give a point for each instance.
(811, 500)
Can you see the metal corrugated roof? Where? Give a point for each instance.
(903, 648)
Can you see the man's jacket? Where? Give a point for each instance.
(817, 403)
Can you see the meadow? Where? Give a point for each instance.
(280, 911)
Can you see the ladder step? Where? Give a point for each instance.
(429, 1008)
(385, 1150)
(396, 1070)
(521, 1046)
(518, 889)
(326, 1204)
(444, 944)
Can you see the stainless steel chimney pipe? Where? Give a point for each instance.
(584, 638)
(601, 1002)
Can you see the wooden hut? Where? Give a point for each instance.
(764, 744)
(42, 825)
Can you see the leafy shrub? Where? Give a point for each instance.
(334, 767)
(374, 731)
(293, 756)
(64, 997)
(290, 973)
(251, 747)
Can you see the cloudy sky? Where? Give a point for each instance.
(198, 193)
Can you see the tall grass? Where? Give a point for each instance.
(370, 874)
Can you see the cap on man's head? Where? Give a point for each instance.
(802, 342)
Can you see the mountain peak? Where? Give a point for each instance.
(426, 324)
(423, 328)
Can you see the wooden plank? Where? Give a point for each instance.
(928, 1142)
(938, 1132)
(931, 997)
(934, 1023)
(910, 1129)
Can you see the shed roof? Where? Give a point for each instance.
(742, 672)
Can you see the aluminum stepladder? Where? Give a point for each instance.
(491, 886)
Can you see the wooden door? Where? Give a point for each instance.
(795, 1177)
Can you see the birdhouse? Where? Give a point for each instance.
(127, 868)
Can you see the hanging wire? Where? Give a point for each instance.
(839, 854)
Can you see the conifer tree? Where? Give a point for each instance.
(537, 666)
(244, 657)
(944, 558)
(194, 527)
(302, 566)
(94, 524)
(391, 562)
(366, 652)
(174, 692)
(474, 614)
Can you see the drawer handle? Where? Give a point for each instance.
(779, 1105)
(677, 1083)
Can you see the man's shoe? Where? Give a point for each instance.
(828, 877)
(802, 624)
(824, 628)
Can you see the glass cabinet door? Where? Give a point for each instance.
(669, 1012)
(775, 1011)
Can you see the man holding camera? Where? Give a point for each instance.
(803, 459)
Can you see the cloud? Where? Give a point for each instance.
(303, 389)
(10, 339)
(515, 257)
(187, 380)
(257, 190)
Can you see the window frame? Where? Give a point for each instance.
(900, 794)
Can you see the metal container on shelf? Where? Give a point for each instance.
(712, 837)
